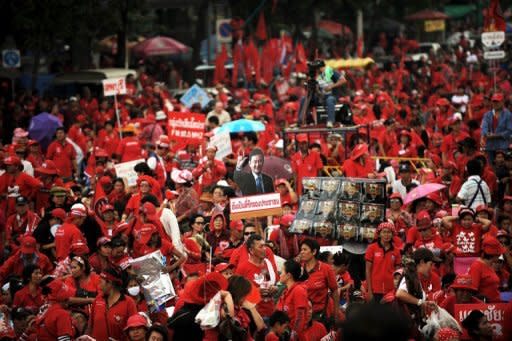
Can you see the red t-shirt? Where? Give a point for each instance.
(320, 280)
(129, 149)
(305, 166)
(252, 271)
(449, 302)
(434, 242)
(271, 337)
(62, 154)
(91, 285)
(383, 266)
(110, 322)
(354, 169)
(24, 298)
(67, 234)
(56, 323)
(467, 240)
(314, 332)
(485, 280)
(291, 301)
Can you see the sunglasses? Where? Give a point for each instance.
(249, 233)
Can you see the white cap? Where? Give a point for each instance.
(160, 115)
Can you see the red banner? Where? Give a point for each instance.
(186, 127)
(495, 313)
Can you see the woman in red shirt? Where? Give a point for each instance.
(359, 165)
(404, 147)
(83, 281)
(30, 297)
(466, 233)
(294, 299)
(483, 276)
(321, 279)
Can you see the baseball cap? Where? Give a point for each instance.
(148, 209)
(404, 167)
(103, 241)
(497, 97)
(28, 245)
(463, 281)
(59, 191)
(78, 210)
(492, 246)
(237, 225)
(423, 220)
(136, 321)
(20, 201)
(58, 213)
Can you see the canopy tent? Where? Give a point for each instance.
(427, 14)
(159, 46)
(459, 11)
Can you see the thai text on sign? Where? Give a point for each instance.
(255, 206)
(114, 86)
(494, 312)
(186, 127)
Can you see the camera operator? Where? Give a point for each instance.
(322, 84)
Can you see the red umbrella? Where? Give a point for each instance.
(159, 46)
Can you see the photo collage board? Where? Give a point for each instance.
(348, 209)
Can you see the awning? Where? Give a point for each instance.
(458, 11)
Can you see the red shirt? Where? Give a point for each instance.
(92, 284)
(354, 169)
(291, 301)
(271, 337)
(67, 234)
(320, 280)
(252, 271)
(110, 322)
(467, 240)
(25, 299)
(486, 280)
(434, 242)
(449, 302)
(314, 332)
(383, 266)
(14, 186)
(129, 149)
(62, 154)
(304, 166)
(15, 264)
(55, 323)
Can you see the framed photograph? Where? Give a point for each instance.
(350, 190)
(301, 226)
(367, 234)
(348, 212)
(324, 229)
(312, 186)
(374, 192)
(330, 188)
(372, 214)
(348, 231)
(326, 208)
(307, 208)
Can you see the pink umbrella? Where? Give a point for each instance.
(159, 46)
(422, 191)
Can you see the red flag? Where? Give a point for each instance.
(220, 69)
(360, 47)
(494, 18)
(267, 64)
(99, 199)
(252, 62)
(261, 28)
(399, 83)
(301, 60)
(237, 60)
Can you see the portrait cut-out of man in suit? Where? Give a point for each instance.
(253, 182)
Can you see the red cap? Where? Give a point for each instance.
(302, 137)
(149, 210)
(359, 150)
(287, 220)
(78, 210)
(48, 167)
(435, 197)
(386, 225)
(492, 246)
(237, 225)
(146, 178)
(442, 102)
(105, 180)
(223, 266)
(103, 241)
(423, 220)
(59, 291)
(279, 181)
(466, 210)
(28, 245)
(12, 161)
(58, 213)
(396, 196)
(497, 97)
(464, 281)
(163, 141)
(484, 208)
(106, 208)
(136, 321)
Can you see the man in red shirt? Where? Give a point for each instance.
(27, 254)
(209, 170)
(261, 272)
(24, 221)
(305, 162)
(63, 154)
(359, 165)
(69, 233)
(129, 148)
(14, 183)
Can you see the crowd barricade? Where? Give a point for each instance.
(415, 162)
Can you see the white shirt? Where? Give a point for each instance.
(224, 116)
(399, 187)
(403, 286)
(470, 187)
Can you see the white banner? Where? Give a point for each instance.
(255, 203)
(125, 171)
(114, 86)
(332, 249)
(223, 143)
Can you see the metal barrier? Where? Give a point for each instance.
(413, 161)
(333, 171)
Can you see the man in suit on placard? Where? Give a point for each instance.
(254, 182)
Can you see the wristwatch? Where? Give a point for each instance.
(420, 302)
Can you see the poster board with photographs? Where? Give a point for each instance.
(349, 209)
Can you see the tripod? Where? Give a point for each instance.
(311, 87)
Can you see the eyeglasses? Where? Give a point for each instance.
(249, 233)
(199, 222)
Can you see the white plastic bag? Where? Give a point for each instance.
(209, 316)
(439, 318)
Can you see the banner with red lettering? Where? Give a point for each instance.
(494, 312)
(186, 127)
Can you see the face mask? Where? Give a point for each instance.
(53, 229)
(134, 291)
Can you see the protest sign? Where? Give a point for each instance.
(114, 86)
(125, 171)
(186, 127)
(223, 143)
(332, 249)
(494, 312)
(194, 95)
(255, 206)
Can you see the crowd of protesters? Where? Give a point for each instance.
(69, 227)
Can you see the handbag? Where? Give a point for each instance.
(230, 329)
